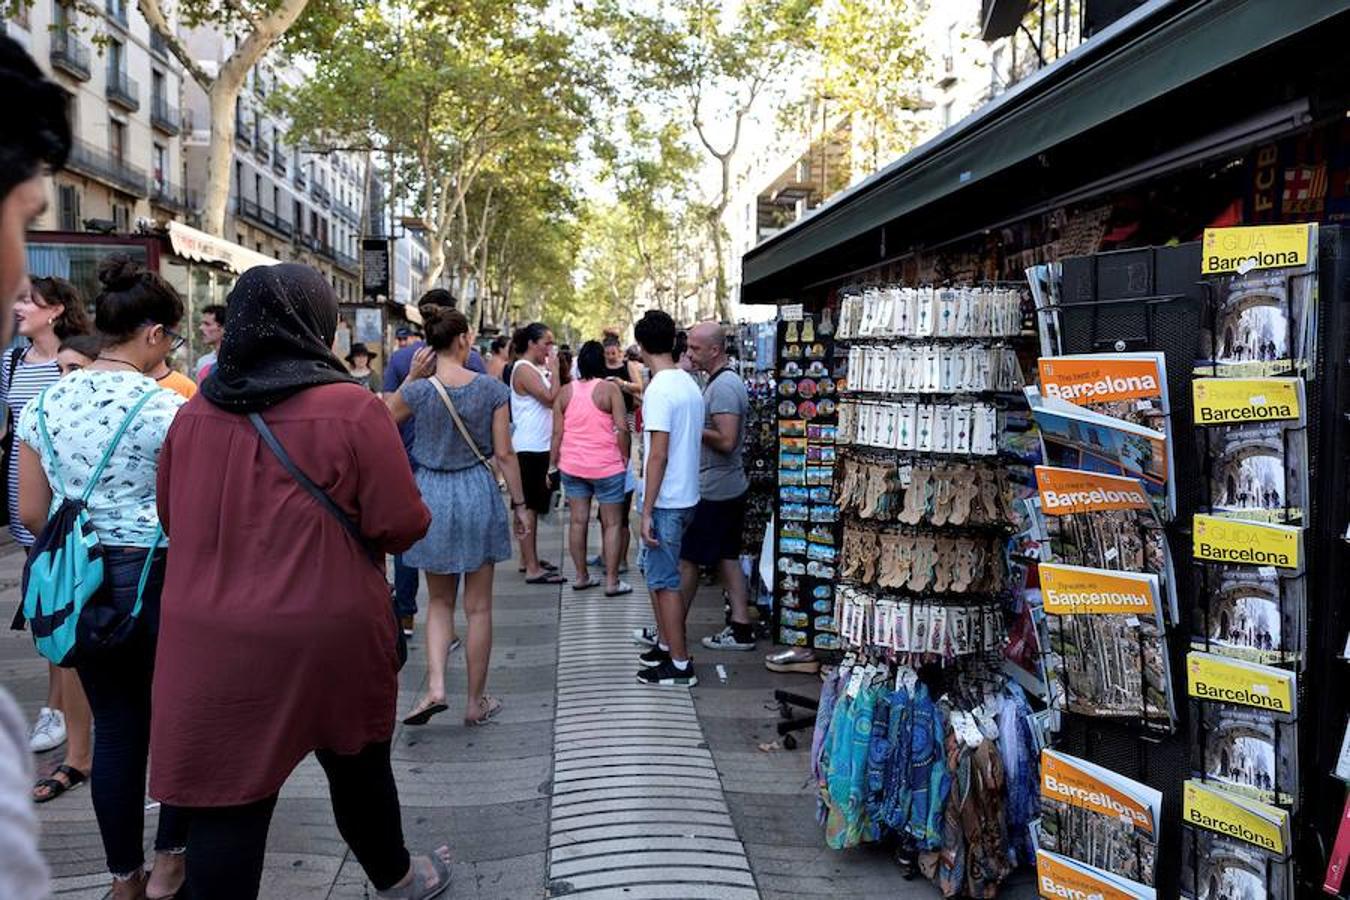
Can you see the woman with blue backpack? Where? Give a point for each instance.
(88, 456)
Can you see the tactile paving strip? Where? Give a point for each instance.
(638, 811)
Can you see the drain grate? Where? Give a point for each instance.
(638, 811)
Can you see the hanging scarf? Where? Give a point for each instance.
(279, 330)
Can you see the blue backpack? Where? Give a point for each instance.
(68, 607)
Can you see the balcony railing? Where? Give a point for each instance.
(306, 241)
(346, 212)
(164, 116)
(300, 179)
(69, 55)
(325, 250)
(344, 261)
(124, 91)
(320, 193)
(106, 168)
(278, 163)
(252, 211)
(262, 151)
(171, 196)
(158, 45)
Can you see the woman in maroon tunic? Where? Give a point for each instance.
(278, 637)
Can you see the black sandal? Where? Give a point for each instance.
(74, 778)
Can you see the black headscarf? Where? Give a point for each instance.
(278, 333)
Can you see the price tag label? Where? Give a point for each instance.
(1110, 554)
(1258, 400)
(1267, 571)
(1132, 621)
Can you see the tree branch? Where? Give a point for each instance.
(153, 11)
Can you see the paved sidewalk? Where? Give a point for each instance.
(684, 822)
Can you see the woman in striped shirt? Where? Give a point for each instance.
(49, 311)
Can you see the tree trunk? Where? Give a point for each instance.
(220, 153)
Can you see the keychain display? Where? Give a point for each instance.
(918, 491)
(918, 629)
(890, 311)
(922, 562)
(957, 429)
(933, 368)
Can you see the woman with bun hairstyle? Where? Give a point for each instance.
(279, 637)
(63, 435)
(469, 531)
(50, 312)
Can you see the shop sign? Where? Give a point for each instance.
(1245, 249)
(190, 243)
(376, 284)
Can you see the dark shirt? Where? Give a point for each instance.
(400, 363)
(621, 372)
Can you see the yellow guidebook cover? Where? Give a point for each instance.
(1101, 379)
(1237, 401)
(1266, 827)
(1225, 680)
(1246, 543)
(1067, 491)
(1074, 590)
(1255, 247)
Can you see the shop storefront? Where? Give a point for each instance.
(1061, 436)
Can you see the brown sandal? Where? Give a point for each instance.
(489, 706)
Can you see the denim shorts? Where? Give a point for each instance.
(661, 564)
(605, 490)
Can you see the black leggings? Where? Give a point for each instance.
(226, 844)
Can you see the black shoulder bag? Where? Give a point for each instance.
(321, 497)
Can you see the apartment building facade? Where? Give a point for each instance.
(285, 201)
(126, 164)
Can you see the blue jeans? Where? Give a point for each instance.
(661, 564)
(406, 582)
(605, 490)
(118, 685)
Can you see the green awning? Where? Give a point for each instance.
(1162, 47)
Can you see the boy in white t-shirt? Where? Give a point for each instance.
(672, 422)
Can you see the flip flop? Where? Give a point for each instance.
(74, 778)
(586, 585)
(543, 564)
(490, 706)
(430, 878)
(422, 717)
(622, 588)
(547, 578)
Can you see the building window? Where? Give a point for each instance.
(995, 78)
(121, 217)
(117, 140)
(947, 113)
(299, 218)
(116, 61)
(161, 160)
(276, 200)
(68, 207)
(257, 188)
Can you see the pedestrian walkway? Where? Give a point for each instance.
(587, 784)
(638, 809)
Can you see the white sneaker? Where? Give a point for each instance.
(49, 731)
(726, 640)
(645, 636)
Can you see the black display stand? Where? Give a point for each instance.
(1154, 299)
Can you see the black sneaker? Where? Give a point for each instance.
(654, 657)
(666, 675)
(645, 637)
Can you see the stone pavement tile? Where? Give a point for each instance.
(477, 833)
(499, 741)
(512, 878)
(298, 876)
(789, 821)
(864, 873)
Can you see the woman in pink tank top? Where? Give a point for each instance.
(590, 448)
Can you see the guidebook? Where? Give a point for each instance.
(1258, 824)
(1214, 867)
(1058, 876)
(1104, 522)
(1098, 817)
(1075, 437)
(1237, 542)
(1108, 649)
(1254, 428)
(1262, 318)
(1247, 751)
(1250, 612)
(1127, 386)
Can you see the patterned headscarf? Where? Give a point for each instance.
(279, 329)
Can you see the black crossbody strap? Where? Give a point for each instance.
(318, 493)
